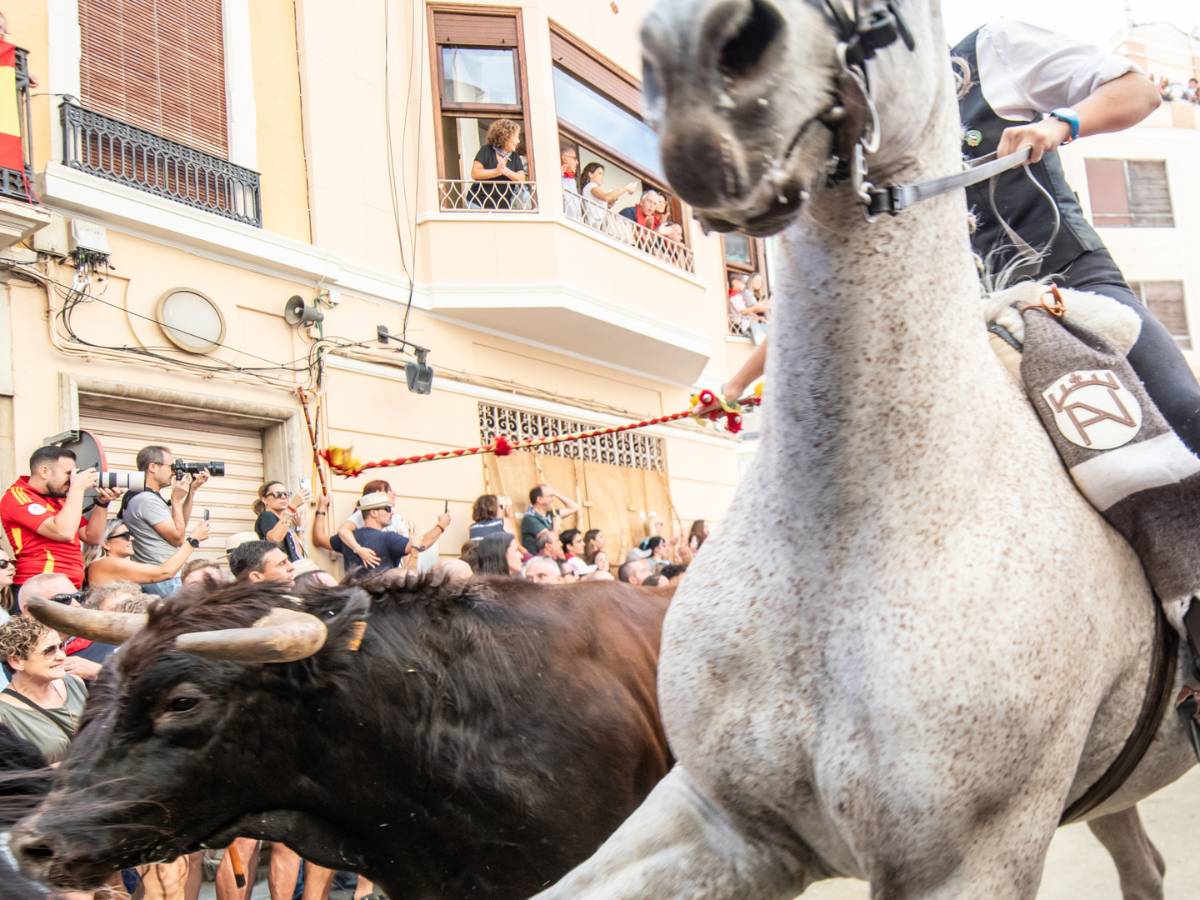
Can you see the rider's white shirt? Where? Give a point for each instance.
(1026, 71)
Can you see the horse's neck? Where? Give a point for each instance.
(877, 354)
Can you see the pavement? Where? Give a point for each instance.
(1078, 867)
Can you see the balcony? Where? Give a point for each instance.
(456, 195)
(658, 246)
(107, 148)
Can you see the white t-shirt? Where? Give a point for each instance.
(1026, 71)
(594, 210)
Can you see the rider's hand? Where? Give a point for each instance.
(1043, 137)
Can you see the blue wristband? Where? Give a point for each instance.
(1070, 117)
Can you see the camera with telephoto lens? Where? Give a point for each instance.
(125, 481)
(182, 468)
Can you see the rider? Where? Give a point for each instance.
(1028, 87)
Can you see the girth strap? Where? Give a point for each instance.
(1155, 704)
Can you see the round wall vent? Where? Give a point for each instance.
(191, 321)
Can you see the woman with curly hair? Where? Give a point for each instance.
(497, 165)
(43, 703)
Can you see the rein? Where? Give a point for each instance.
(855, 122)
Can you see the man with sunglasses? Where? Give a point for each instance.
(390, 547)
(57, 587)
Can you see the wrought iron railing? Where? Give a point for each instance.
(18, 183)
(652, 243)
(455, 195)
(111, 149)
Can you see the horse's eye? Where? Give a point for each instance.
(182, 704)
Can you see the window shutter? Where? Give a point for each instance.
(1150, 194)
(579, 62)
(1165, 299)
(1106, 186)
(474, 30)
(159, 65)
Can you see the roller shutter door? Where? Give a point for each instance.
(229, 499)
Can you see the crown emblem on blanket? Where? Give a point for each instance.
(1094, 409)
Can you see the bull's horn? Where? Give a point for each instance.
(283, 635)
(78, 621)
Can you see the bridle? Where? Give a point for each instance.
(854, 122)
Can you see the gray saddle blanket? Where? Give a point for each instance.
(1118, 448)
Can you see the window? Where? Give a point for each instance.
(1166, 300)
(1128, 193)
(479, 65)
(599, 112)
(159, 65)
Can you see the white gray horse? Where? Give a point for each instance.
(913, 643)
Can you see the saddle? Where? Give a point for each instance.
(1067, 350)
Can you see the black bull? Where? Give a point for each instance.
(483, 739)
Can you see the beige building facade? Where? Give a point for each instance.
(1140, 187)
(192, 173)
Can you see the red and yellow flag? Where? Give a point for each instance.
(11, 156)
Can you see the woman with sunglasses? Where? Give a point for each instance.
(118, 564)
(8, 571)
(42, 703)
(280, 518)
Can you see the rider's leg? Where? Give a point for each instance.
(1155, 357)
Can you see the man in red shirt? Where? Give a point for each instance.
(42, 514)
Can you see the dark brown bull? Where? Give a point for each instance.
(484, 738)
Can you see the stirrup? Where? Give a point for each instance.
(1187, 704)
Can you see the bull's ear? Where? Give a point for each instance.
(283, 635)
(94, 624)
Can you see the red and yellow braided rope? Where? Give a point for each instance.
(342, 460)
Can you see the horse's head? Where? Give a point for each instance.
(751, 101)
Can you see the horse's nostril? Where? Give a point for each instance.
(743, 53)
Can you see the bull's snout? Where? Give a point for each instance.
(34, 850)
(700, 56)
(41, 855)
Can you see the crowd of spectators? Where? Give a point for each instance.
(749, 305)
(1176, 90)
(125, 557)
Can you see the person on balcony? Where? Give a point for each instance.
(498, 169)
(597, 201)
(572, 205)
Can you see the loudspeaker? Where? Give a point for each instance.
(297, 312)
(419, 377)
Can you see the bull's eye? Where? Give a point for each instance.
(182, 704)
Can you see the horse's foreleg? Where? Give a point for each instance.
(679, 844)
(1139, 864)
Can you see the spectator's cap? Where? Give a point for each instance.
(376, 500)
(238, 538)
(303, 566)
(636, 553)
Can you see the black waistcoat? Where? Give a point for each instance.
(1018, 201)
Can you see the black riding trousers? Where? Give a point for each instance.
(1155, 357)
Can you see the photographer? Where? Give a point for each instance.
(42, 514)
(158, 526)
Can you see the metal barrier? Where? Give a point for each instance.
(616, 226)
(455, 195)
(111, 149)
